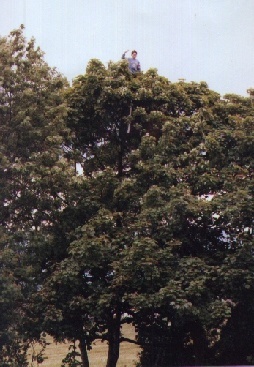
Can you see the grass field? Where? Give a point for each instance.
(97, 356)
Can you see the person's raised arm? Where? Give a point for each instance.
(123, 55)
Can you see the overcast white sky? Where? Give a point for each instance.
(199, 40)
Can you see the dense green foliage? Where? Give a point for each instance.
(155, 230)
(33, 181)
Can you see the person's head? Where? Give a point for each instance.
(134, 54)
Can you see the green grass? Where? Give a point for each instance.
(55, 352)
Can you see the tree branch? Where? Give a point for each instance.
(123, 339)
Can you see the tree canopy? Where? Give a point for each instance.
(156, 227)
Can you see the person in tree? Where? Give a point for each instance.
(134, 64)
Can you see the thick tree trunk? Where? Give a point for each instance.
(121, 144)
(200, 344)
(83, 352)
(120, 162)
(114, 340)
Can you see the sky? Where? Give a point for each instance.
(198, 40)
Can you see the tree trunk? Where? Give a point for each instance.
(120, 161)
(83, 352)
(114, 340)
(200, 344)
(121, 150)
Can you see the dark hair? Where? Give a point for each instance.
(134, 51)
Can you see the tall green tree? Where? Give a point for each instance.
(34, 178)
(157, 231)
(109, 112)
(184, 156)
